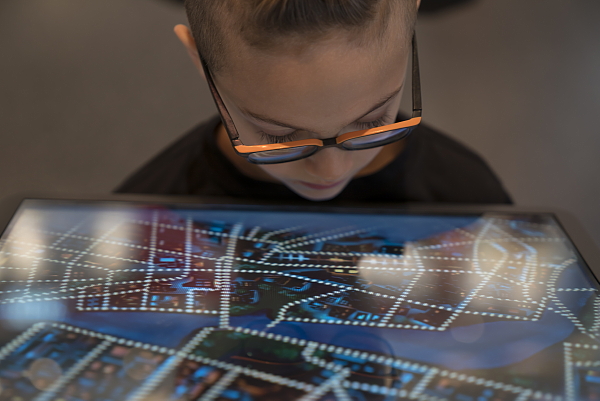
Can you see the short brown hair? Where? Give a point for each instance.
(264, 23)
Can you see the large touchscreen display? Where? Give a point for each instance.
(118, 301)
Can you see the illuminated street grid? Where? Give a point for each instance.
(150, 372)
(495, 269)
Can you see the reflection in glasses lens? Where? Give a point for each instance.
(281, 155)
(380, 139)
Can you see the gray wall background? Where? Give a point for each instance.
(90, 89)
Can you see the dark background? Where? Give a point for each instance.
(89, 90)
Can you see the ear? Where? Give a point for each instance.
(186, 38)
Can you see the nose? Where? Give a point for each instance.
(329, 165)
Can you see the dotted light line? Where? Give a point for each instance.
(151, 256)
(21, 339)
(562, 310)
(277, 232)
(79, 252)
(254, 373)
(586, 346)
(569, 380)
(201, 231)
(12, 267)
(218, 272)
(550, 286)
(587, 364)
(124, 244)
(295, 242)
(483, 382)
(380, 359)
(187, 263)
(315, 235)
(221, 385)
(530, 270)
(167, 367)
(340, 393)
(424, 382)
(303, 265)
(253, 232)
(357, 323)
(514, 239)
(524, 396)
(390, 313)
(63, 262)
(349, 253)
(149, 309)
(225, 277)
(596, 325)
(31, 276)
(271, 336)
(477, 243)
(314, 280)
(50, 281)
(39, 296)
(67, 234)
(375, 389)
(105, 295)
(463, 305)
(267, 255)
(10, 301)
(329, 384)
(507, 299)
(281, 314)
(465, 232)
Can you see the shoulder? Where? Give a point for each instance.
(451, 171)
(167, 172)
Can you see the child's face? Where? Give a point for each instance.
(325, 90)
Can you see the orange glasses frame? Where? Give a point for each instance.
(246, 150)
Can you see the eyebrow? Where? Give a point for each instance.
(266, 119)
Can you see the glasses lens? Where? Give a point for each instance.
(375, 140)
(281, 155)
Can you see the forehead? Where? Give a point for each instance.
(334, 76)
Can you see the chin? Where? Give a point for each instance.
(318, 195)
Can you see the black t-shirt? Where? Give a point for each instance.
(431, 168)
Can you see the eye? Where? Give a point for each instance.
(278, 138)
(371, 124)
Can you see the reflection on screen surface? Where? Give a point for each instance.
(101, 302)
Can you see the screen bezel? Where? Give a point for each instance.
(581, 240)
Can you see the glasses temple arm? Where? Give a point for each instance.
(416, 80)
(227, 120)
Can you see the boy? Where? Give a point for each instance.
(308, 94)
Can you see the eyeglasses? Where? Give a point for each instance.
(296, 150)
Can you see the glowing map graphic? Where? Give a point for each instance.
(149, 303)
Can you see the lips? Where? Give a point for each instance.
(320, 186)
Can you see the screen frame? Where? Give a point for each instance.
(581, 240)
